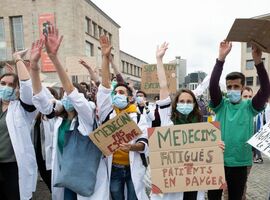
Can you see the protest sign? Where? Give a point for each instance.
(186, 158)
(44, 21)
(150, 83)
(109, 136)
(261, 140)
(256, 31)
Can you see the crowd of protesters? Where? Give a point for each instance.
(37, 124)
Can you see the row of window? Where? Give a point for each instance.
(95, 30)
(16, 24)
(131, 69)
(249, 81)
(250, 64)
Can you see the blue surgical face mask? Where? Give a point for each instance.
(113, 84)
(184, 108)
(120, 101)
(234, 95)
(139, 100)
(7, 93)
(67, 104)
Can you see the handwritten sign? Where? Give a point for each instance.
(150, 83)
(186, 158)
(261, 140)
(256, 31)
(109, 136)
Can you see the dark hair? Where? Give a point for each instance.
(236, 75)
(15, 78)
(53, 92)
(80, 90)
(85, 84)
(156, 97)
(142, 92)
(195, 112)
(129, 91)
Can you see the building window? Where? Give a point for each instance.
(110, 37)
(89, 49)
(74, 79)
(100, 32)
(99, 56)
(123, 66)
(95, 31)
(2, 40)
(257, 81)
(127, 65)
(249, 81)
(17, 33)
(140, 72)
(249, 47)
(131, 69)
(105, 32)
(88, 25)
(249, 64)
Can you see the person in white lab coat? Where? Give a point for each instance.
(126, 167)
(73, 107)
(18, 168)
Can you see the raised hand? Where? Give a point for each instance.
(161, 50)
(52, 41)
(105, 46)
(224, 49)
(19, 54)
(9, 68)
(83, 63)
(35, 52)
(256, 54)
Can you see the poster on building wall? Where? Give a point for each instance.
(44, 20)
(186, 158)
(118, 130)
(150, 83)
(256, 31)
(261, 140)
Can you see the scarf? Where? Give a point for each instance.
(183, 119)
(131, 108)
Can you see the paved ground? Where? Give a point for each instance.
(258, 184)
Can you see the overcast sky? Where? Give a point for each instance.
(193, 28)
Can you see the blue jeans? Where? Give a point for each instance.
(121, 176)
(69, 194)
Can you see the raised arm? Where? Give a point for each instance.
(118, 75)
(261, 97)
(92, 73)
(52, 43)
(214, 89)
(22, 71)
(34, 68)
(164, 90)
(106, 52)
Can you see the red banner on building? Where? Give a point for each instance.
(44, 20)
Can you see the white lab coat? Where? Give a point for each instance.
(19, 127)
(148, 116)
(165, 118)
(104, 104)
(86, 112)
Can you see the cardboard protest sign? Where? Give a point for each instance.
(186, 158)
(150, 83)
(109, 136)
(261, 140)
(256, 31)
